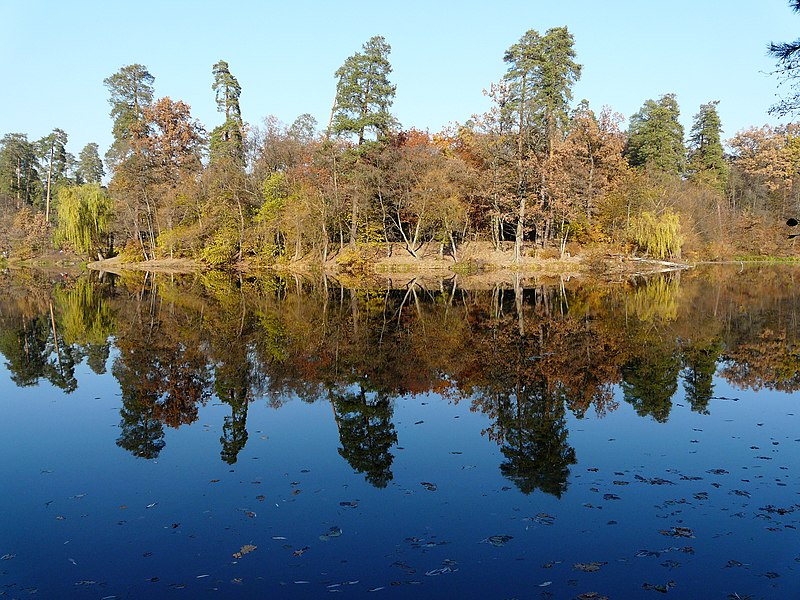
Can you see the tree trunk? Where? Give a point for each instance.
(49, 178)
(520, 233)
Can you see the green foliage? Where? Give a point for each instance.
(706, 155)
(364, 93)
(130, 92)
(86, 316)
(655, 136)
(53, 156)
(366, 433)
(222, 248)
(656, 300)
(90, 167)
(788, 57)
(84, 215)
(699, 362)
(227, 139)
(19, 169)
(658, 235)
(540, 76)
(650, 380)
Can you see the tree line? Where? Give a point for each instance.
(535, 175)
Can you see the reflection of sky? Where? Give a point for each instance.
(289, 482)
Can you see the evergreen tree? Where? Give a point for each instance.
(788, 56)
(227, 139)
(52, 150)
(364, 93)
(19, 169)
(90, 167)
(131, 92)
(655, 136)
(706, 155)
(540, 76)
(539, 80)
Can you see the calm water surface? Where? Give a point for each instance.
(218, 437)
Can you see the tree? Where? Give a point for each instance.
(364, 93)
(90, 167)
(650, 379)
(163, 161)
(19, 169)
(766, 162)
(53, 157)
(586, 167)
(706, 155)
(540, 76)
(228, 138)
(131, 92)
(788, 56)
(84, 215)
(699, 364)
(366, 433)
(655, 136)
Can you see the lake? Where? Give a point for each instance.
(221, 436)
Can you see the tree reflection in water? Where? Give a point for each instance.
(526, 356)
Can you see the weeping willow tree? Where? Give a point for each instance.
(84, 215)
(658, 235)
(85, 316)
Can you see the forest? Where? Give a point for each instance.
(537, 176)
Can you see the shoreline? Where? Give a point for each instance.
(484, 266)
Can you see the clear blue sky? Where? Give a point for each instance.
(55, 55)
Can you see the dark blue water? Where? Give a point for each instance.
(705, 504)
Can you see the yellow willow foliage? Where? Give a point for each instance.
(657, 300)
(84, 212)
(85, 316)
(659, 236)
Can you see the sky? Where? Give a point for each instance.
(54, 56)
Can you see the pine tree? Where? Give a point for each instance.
(706, 155)
(539, 80)
(788, 56)
(655, 136)
(364, 93)
(90, 167)
(131, 92)
(227, 139)
(53, 157)
(19, 169)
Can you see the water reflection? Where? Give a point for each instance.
(525, 356)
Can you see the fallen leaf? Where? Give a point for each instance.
(246, 549)
(589, 567)
(499, 540)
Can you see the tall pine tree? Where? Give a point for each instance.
(130, 93)
(227, 139)
(706, 155)
(539, 80)
(655, 136)
(364, 93)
